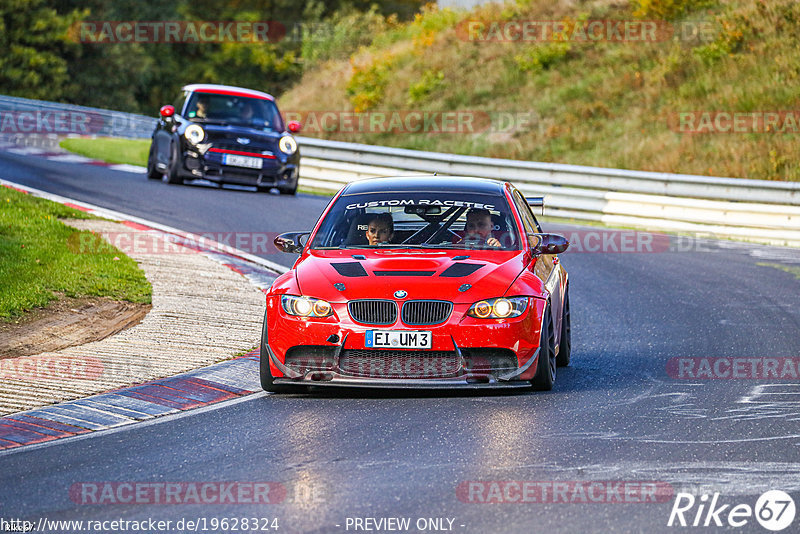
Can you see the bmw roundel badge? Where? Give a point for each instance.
(400, 294)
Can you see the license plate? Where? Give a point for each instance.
(241, 161)
(391, 339)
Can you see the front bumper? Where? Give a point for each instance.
(281, 171)
(465, 352)
(343, 381)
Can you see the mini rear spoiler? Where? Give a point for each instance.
(537, 202)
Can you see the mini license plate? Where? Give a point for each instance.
(241, 161)
(390, 339)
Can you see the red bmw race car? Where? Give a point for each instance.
(419, 282)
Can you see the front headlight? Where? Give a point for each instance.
(498, 308)
(287, 144)
(305, 306)
(194, 134)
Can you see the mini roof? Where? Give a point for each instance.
(226, 90)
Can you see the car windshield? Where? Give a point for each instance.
(230, 109)
(435, 219)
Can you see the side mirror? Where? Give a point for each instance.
(167, 111)
(290, 242)
(547, 243)
(294, 126)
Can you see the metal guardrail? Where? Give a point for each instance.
(45, 118)
(753, 210)
(680, 185)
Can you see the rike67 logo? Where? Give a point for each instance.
(774, 510)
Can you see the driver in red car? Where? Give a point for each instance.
(478, 229)
(380, 229)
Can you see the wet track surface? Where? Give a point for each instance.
(615, 414)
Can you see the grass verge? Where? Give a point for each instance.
(110, 150)
(39, 262)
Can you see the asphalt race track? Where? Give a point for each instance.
(616, 414)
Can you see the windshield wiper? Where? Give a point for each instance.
(381, 245)
(209, 121)
(441, 245)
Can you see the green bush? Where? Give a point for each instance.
(542, 57)
(729, 40)
(429, 82)
(666, 9)
(367, 86)
(341, 35)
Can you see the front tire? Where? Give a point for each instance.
(545, 375)
(152, 171)
(565, 343)
(171, 176)
(292, 189)
(289, 190)
(267, 381)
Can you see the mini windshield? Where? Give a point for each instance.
(435, 219)
(238, 110)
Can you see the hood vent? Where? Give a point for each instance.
(350, 269)
(460, 269)
(404, 273)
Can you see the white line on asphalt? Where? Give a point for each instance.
(68, 158)
(27, 151)
(135, 424)
(124, 167)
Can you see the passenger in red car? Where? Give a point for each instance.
(478, 230)
(380, 228)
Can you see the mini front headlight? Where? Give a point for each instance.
(287, 144)
(194, 134)
(305, 306)
(498, 308)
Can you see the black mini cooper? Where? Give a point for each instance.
(227, 135)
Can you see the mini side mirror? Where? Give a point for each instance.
(291, 242)
(294, 126)
(167, 111)
(548, 243)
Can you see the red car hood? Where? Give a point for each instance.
(434, 274)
